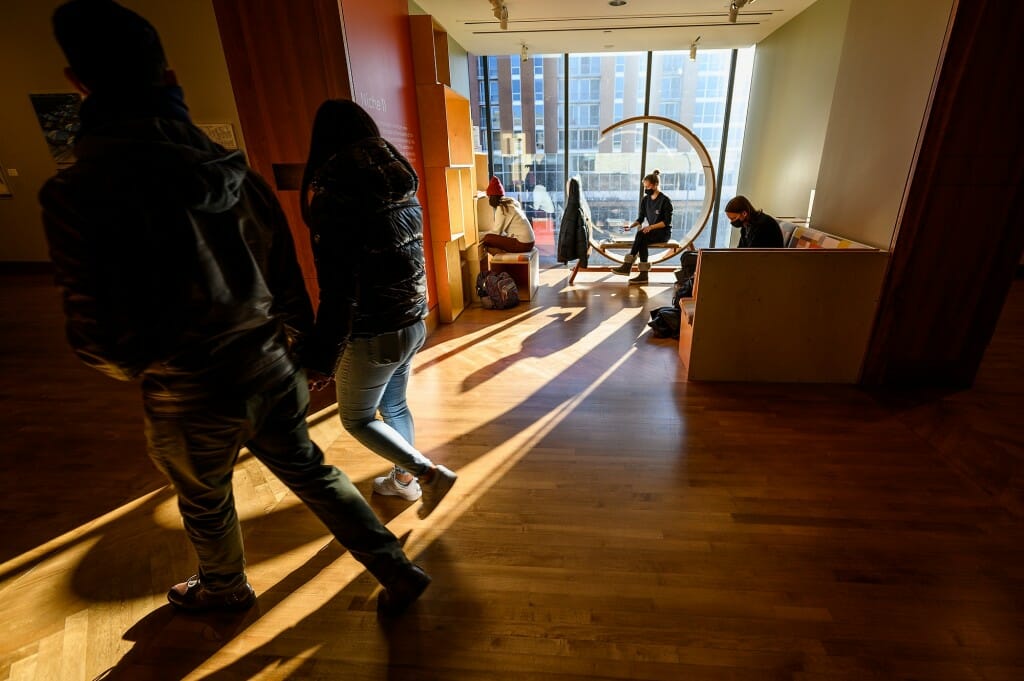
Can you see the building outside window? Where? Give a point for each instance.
(530, 146)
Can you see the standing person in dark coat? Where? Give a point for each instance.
(366, 225)
(179, 272)
(757, 228)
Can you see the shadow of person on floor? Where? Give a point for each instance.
(544, 341)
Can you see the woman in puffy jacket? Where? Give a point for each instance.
(366, 228)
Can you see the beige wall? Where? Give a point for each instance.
(889, 61)
(794, 77)
(458, 66)
(35, 64)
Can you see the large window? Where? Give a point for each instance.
(533, 151)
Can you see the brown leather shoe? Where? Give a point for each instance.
(192, 596)
(400, 594)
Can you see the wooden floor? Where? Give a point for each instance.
(611, 521)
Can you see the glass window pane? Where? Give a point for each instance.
(528, 138)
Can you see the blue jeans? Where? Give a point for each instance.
(372, 376)
(197, 451)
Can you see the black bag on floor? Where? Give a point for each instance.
(665, 322)
(684, 276)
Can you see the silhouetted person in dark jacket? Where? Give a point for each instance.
(179, 272)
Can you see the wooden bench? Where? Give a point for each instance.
(660, 252)
(524, 268)
(797, 314)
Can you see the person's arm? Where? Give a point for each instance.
(336, 277)
(282, 272)
(77, 271)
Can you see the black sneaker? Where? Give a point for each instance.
(400, 594)
(192, 596)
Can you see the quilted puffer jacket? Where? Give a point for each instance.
(575, 229)
(177, 264)
(366, 228)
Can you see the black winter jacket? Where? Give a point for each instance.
(366, 227)
(763, 231)
(575, 229)
(176, 262)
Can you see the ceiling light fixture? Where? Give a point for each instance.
(693, 49)
(500, 12)
(524, 53)
(734, 9)
(616, 3)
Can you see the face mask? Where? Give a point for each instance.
(736, 223)
(648, 192)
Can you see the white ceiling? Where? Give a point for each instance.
(579, 26)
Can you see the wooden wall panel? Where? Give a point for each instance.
(782, 315)
(285, 58)
(959, 239)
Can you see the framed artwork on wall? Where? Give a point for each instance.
(58, 118)
(5, 189)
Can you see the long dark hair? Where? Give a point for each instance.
(741, 204)
(338, 123)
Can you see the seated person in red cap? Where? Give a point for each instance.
(512, 231)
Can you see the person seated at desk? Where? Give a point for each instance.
(512, 231)
(757, 228)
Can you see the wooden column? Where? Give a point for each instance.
(285, 59)
(959, 237)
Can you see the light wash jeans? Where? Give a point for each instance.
(372, 376)
(197, 451)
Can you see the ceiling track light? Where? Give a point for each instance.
(500, 12)
(734, 9)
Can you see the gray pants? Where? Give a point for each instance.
(197, 452)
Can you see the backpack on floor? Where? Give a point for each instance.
(665, 322)
(497, 290)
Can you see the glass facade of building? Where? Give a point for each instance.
(519, 109)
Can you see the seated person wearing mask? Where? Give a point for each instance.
(512, 231)
(757, 228)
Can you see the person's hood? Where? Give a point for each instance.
(172, 157)
(371, 170)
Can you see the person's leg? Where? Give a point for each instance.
(197, 452)
(394, 408)
(643, 241)
(364, 373)
(436, 481)
(638, 242)
(640, 245)
(505, 243)
(282, 443)
(627, 260)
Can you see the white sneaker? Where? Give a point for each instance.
(435, 489)
(390, 486)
